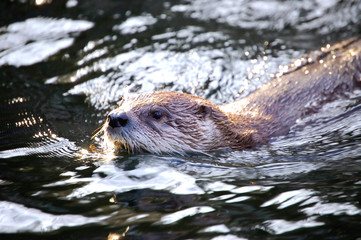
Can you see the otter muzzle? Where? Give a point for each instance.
(118, 120)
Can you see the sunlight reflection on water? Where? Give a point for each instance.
(60, 75)
(18, 218)
(157, 178)
(36, 39)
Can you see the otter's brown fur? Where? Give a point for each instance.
(176, 122)
(188, 123)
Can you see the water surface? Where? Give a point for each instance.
(65, 64)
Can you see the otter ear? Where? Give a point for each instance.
(204, 111)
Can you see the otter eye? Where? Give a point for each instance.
(157, 115)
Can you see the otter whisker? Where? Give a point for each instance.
(98, 131)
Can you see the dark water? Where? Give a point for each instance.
(65, 64)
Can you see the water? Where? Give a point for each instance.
(65, 64)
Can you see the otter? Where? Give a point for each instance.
(173, 122)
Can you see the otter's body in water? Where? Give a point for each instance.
(176, 122)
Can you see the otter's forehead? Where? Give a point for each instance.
(161, 98)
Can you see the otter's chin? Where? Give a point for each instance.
(114, 142)
(116, 145)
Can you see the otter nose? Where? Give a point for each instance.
(118, 120)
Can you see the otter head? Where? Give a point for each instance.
(164, 122)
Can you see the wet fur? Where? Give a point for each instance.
(191, 123)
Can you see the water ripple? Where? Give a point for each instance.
(48, 147)
(144, 177)
(35, 39)
(15, 218)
